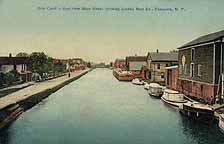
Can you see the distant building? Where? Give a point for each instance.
(171, 77)
(120, 63)
(135, 64)
(201, 63)
(76, 64)
(156, 64)
(18, 64)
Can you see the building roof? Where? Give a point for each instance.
(163, 56)
(136, 58)
(14, 60)
(205, 39)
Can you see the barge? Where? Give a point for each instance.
(123, 75)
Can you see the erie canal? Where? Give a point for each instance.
(98, 109)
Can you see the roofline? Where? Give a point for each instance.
(202, 43)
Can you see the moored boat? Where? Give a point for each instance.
(155, 90)
(137, 81)
(198, 111)
(123, 75)
(173, 98)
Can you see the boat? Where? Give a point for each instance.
(146, 86)
(221, 122)
(198, 111)
(137, 81)
(123, 75)
(173, 98)
(155, 90)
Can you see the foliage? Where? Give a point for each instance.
(2, 79)
(59, 67)
(9, 78)
(40, 63)
(22, 54)
(89, 65)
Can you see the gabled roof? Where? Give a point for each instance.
(14, 60)
(204, 39)
(163, 56)
(136, 58)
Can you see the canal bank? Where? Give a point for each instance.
(12, 105)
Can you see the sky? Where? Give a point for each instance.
(103, 36)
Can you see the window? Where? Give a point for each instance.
(162, 75)
(192, 54)
(192, 70)
(167, 65)
(158, 66)
(199, 70)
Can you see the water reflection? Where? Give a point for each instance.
(4, 136)
(202, 133)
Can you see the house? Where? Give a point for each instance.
(120, 63)
(135, 64)
(156, 64)
(18, 64)
(171, 77)
(76, 64)
(200, 67)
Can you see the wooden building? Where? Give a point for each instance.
(200, 67)
(156, 64)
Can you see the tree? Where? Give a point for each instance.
(22, 54)
(2, 79)
(39, 62)
(11, 77)
(59, 67)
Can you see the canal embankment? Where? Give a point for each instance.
(12, 105)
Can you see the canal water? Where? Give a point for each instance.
(98, 109)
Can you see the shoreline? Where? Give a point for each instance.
(15, 106)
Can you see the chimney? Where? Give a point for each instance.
(157, 51)
(10, 55)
